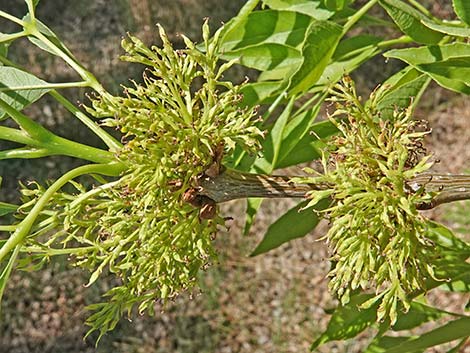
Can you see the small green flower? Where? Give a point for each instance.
(143, 227)
(377, 236)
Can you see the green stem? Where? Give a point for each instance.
(110, 141)
(24, 153)
(40, 137)
(12, 18)
(421, 8)
(357, 16)
(56, 252)
(84, 74)
(392, 42)
(11, 36)
(23, 228)
(8, 228)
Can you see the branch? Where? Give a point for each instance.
(231, 184)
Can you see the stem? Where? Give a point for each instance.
(26, 153)
(55, 252)
(36, 135)
(232, 184)
(357, 16)
(23, 228)
(12, 18)
(110, 141)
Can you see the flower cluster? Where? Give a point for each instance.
(176, 125)
(377, 236)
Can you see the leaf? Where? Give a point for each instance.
(348, 321)
(266, 164)
(336, 5)
(382, 343)
(267, 56)
(400, 91)
(267, 26)
(462, 9)
(252, 207)
(295, 223)
(296, 129)
(408, 19)
(446, 64)
(6, 208)
(18, 98)
(41, 27)
(417, 315)
(448, 29)
(308, 7)
(259, 92)
(348, 46)
(444, 237)
(308, 147)
(449, 332)
(318, 48)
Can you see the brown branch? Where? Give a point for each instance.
(231, 184)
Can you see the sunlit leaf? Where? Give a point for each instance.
(401, 91)
(448, 65)
(268, 56)
(311, 8)
(462, 9)
(267, 26)
(16, 79)
(348, 321)
(320, 44)
(448, 28)
(449, 332)
(408, 19)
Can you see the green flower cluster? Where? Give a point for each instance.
(377, 236)
(175, 126)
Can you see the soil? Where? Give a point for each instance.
(276, 302)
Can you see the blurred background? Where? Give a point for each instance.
(275, 302)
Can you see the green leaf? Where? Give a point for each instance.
(308, 7)
(336, 5)
(296, 129)
(348, 321)
(400, 91)
(445, 238)
(267, 56)
(295, 223)
(267, 162)
(408, 19)
(319, 46)
(267, 26)
(259, 92)
(51, 36)
(348, 47)
(454, 330)
(448, 28)
(252, 207)
(462, 9)
(448, 65)
(417, 315)
(18, 98)
(6, 208)
(382, 343)
(307, 147)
